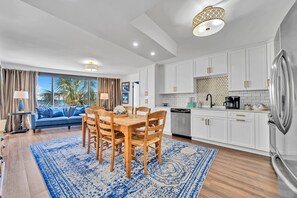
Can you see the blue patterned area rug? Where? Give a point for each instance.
(69, 172)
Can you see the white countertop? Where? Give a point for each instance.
(217, 108)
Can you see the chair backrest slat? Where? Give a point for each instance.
(142, 110)
(106, 127)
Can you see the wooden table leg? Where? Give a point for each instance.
(128, 132)
(83, 128)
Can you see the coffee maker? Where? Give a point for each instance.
(232, 102)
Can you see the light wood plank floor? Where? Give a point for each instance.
(233, 173)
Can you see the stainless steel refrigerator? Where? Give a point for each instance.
(283, 116)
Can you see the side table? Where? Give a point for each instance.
(20, 128)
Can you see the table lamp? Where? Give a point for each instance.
(104, 97)
(20, 95)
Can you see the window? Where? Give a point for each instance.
(59, 91)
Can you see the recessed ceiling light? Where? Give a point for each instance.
(153, 53)
(135, 44)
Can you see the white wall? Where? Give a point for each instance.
(130, 78)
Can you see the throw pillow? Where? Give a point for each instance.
(43, 112)
(57, 112)
(79, 110)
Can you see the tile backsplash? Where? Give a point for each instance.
(218, 87)
(252, 97)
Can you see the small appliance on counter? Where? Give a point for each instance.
(165, 104)
(232, 102)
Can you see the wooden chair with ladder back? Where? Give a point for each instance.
(129, 109)
(109, 138)
(93, 131)
(152, 135)
(142, 110)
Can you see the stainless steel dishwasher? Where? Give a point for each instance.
(181, 122)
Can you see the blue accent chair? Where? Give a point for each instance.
(51, 117)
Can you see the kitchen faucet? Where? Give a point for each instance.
(211, 104)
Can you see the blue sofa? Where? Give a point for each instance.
(50, 117)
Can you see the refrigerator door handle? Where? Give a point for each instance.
(282, 113)
(280, 173)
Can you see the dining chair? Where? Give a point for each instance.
(142, 110)
(152, 135)
(93, 131)
(129, 109)
(96, 108)
(108, 136)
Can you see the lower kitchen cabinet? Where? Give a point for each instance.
(241, 132)
(217, 129)
(199, 127)
(262, 132)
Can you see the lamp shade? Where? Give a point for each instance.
(209, 21)
(20, 95)
(104, 96)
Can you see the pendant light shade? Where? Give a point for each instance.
(91, 67)
(209, 21)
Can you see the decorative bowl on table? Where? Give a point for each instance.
(120, 111)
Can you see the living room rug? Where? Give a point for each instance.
(69, 172)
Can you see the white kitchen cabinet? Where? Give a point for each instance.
(262, 132)
(241, 130)
(211, 65)
(143, 87)
(219, 64)
(170, 78)
(217, 129)
(270, 58)
(236, 70)
(147, 80)
(199, 128)
(210, 125)
(201, 66)
(247, 69)
(184, 77)
(178, 78)
(256, 68)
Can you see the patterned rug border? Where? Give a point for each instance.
(46, 179)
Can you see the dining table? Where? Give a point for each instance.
(126, 125)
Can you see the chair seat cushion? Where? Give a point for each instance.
(139, 141)
(119, 138)
(75, 119)
(52, 121)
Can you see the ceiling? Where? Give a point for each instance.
(68, 33)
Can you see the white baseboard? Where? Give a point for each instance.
(233, 147)
(167, 133)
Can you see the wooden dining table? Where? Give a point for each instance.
(126, 125)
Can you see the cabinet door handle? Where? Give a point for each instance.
(238, 120)
(205, 121)
(208, 121)
(240, 115)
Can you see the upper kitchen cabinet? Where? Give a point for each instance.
(178, 78)
(256, 68)
(270, 58)
(147, 77)
(211, 66)
(184, 77)
(170, 78)
(248, 69)
(201, 67)
(237, 70)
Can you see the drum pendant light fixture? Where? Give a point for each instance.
(209, 21)
(91, 67)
